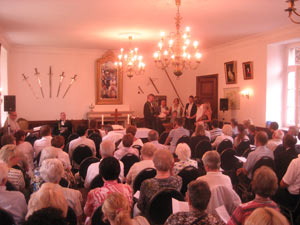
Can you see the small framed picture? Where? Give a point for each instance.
(248, 70)
(230, 72)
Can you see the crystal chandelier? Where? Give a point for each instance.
(130, 62)
(292, 11)
(177, 50)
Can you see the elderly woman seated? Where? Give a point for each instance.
(52, 171)
(226, 134)
(163, 162)
(276, 140)
(264, 185)
(117, 211)
(10, 155)
(49, 195)
(198, 196)
(183, 152)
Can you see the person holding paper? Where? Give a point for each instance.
(198, 196)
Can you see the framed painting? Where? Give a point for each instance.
(233, 96)
(248, 70)
(230, 72)
(109, 81)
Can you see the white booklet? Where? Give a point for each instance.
(179, 206)
(242, 159)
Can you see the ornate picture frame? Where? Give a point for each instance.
(109, 90)
(230, 72)
(248, 70)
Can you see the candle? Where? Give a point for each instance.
(128, 119)
(102, 119)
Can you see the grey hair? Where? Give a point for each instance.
(212, 160)
(52, 170)
(107, 148)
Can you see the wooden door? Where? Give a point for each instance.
(207, 90)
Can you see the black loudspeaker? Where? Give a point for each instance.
(9, 103)
(223, 104)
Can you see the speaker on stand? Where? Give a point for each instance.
(223, 106)
(9, 103)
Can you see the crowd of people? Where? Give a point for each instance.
(47, 177)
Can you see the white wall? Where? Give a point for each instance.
(82, 93)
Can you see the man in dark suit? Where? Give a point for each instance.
(63, 127)
(149, 112)
(190, 114)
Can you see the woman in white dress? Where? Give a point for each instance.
(176, 107)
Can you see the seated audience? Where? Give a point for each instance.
(26, 149)
(45, 141)
(241, 135)
(49, 195)
(294, 131)
(132, 130)
(52, 171)
(266, 216)
(183, 152)
(251, 134)
(176, 133)
(107, 149)
(200, 134)
(261, 150)
(147, 153)
(234, 124)
(272, 127)
(109, 169)
(7, 139)
(111, 135)
(198, 196)
(127, 143)
(264, 185)
(216, 131)
(116, 210)
(247, 124)
(153, 138)
(93, 128)
(284, 157)
(163, 162)
(226, 134)
(10, 156)
(46, 216)
(81, 140)
(58, 142)
(12, 201)
(276, 140)
(214, 177)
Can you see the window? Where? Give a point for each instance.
(292, 101)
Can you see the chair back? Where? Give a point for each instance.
(264, 161)
(128, 160)
(160, 206)
(84, 165)
(138, 147)
(80, 153)
(6, 217)
(226, 143)
(188, 174)
(96, 182)
(143, 175)
(163, 137)
(71, 217)
(97, 218)
(64, 183)
(201, 148)
(242, 147)
(183, 139)
(97, 139)
(228, 160)
(194, 140)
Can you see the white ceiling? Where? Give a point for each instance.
(98, 23)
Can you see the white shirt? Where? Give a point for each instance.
(13, 126)
(83, 140)
(93, 171)
(273, 143)
(27, 150)
(74, 199)
(64, 158)
(158, 145)
(199, 112)
(292, 176)
(113, 136)
(15, 203)
(41, 144)
(221, 138)
(189, 109)
(214, 179)
(124, 151)
(136, 142)
(136, 168)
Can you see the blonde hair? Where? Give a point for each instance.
(183, 151)
(3, 171)
(7, 152)
(200, 130)
(116, 208)
(227, 130)
(52, 170)
(163, 160)
(49, 195)
(266, 216)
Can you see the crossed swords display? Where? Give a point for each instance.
(37, 74)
